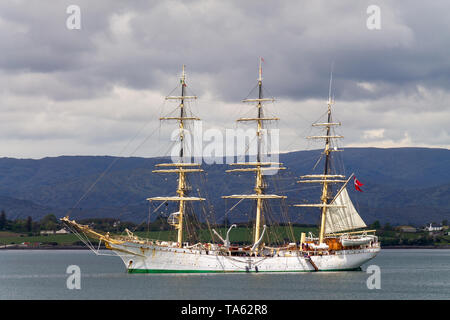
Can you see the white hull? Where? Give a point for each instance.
(157, 259)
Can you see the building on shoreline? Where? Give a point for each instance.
(61, 231)
(433, 228)
(406, 229)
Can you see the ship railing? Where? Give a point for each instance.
(362, 232)
(137, 239)
(198, 245)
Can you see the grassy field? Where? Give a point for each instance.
(237, 235)
(16, 238)
(417, 239)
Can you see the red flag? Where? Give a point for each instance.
(357, 184)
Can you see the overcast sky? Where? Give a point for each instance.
(91, 91)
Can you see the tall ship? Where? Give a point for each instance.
(343, 242)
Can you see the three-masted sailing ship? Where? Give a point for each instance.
(336, 248)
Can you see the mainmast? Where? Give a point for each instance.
(258, 167)
(176, 218)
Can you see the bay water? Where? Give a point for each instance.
(406, 274)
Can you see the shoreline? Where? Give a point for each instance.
(21, 247)
(416, 247)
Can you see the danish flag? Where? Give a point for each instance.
(357, 184)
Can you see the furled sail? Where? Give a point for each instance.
(345, 218)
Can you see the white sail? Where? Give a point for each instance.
(343, 219)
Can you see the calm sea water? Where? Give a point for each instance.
(41, 274)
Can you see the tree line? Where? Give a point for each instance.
(51, 223)
(27, 225)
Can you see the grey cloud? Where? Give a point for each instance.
(223, 40)
(379, 76)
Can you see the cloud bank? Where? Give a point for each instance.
(90, 91)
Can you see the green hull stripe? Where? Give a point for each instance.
(220, 271)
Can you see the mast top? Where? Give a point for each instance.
(183, 76)
(260, 69)
(330, 100)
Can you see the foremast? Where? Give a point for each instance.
(176, 219)
(326, 190)
(259, 166)
(326, 179)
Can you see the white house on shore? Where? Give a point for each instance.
(61, 231)
(432, 228)
(406, 229)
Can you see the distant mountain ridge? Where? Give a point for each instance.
(401, 185)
